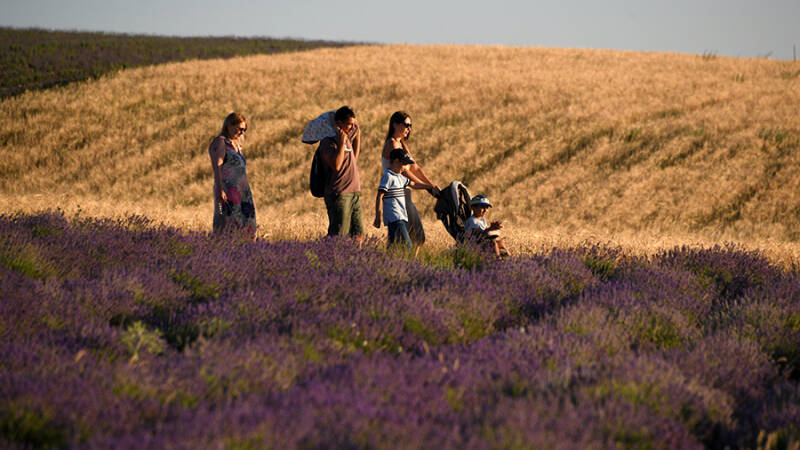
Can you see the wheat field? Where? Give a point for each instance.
(640, 150)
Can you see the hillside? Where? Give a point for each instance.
(35, 59)
(566, 143)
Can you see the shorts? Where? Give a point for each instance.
(344, 215)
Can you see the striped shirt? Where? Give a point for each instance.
(393, 186)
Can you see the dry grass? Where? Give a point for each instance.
(643, 150)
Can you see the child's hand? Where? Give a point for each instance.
(494, 226)
(377, 223)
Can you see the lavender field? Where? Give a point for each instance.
(35, 59)
(127, 334)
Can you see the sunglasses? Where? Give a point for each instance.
(407, 125)
(242, 130)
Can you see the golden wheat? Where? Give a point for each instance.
(644, 149)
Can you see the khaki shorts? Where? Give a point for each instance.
(344, 214)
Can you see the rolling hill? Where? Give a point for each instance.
(568, 143)
(120, 332)
(35, 59)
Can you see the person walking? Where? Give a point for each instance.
(233, 201)
(343, 186)
(397, 137)
(390, 202)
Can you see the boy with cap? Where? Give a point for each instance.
(478, 229)
(390, 203)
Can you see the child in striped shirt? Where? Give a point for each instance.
(390, 203)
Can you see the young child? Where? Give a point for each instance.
(478, 229)
(391, 198)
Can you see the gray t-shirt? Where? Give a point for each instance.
(474, 223)
(394, 198)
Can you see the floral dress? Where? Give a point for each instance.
(239, 211)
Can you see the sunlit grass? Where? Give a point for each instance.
(642, 150)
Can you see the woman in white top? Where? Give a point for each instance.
(397, 137)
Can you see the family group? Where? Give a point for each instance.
(339, 145)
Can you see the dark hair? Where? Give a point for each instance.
(343, 113)
(398, 153)
(397, 117)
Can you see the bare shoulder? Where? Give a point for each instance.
(388, 146)
(217, 146)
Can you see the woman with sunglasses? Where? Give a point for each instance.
(233, 201)
(397, 137)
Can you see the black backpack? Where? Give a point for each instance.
(318, 176)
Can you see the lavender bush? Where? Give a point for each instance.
(126, 334)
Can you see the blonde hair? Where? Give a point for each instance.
(233, 118)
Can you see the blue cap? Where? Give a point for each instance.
(402, 155)
(480, 200)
